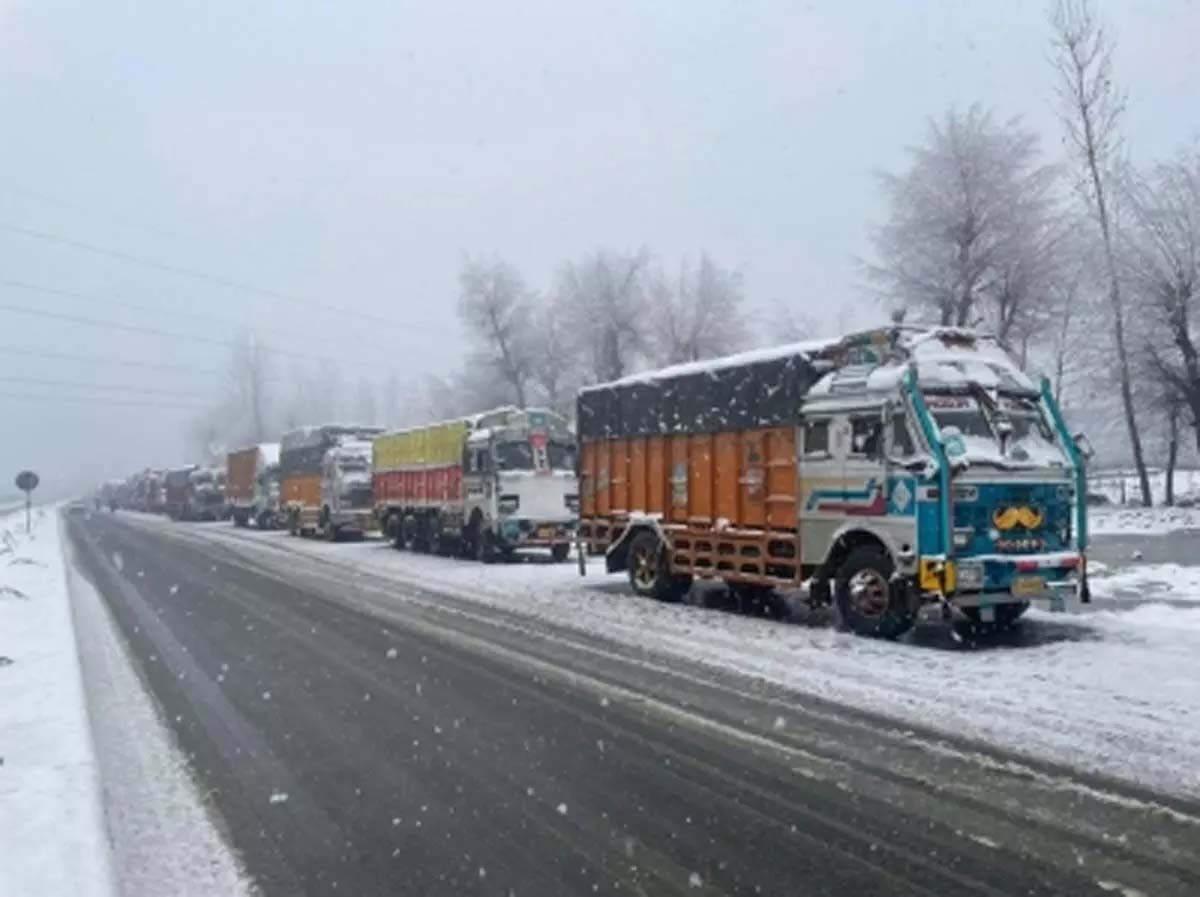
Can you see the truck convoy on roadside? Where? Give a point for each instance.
(881, 473)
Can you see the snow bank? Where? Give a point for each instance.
(51, 822)
(1141, 521)
(1146, 582)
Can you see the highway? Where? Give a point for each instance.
(358, 734)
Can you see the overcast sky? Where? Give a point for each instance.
(346, 155)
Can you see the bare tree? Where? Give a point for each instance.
(249, 375)
(606, 292)
(1090, 110)
(495, 306)
(970, 222)
(702, 316)
(1162, 258)
(556, 370)
(365, 409)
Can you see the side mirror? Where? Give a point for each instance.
(1083, 446)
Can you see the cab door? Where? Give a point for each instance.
(819, 443)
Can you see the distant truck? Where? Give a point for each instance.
(195, 493)
(252, 485)
(481, 486)
(325, 480)
(178, 492)
(880, 472)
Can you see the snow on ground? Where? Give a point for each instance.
(163, 840)
(1156, 521)
(1146, 582)
(1114, 691)
(52, 837)
(1122, 486)
(95, 799)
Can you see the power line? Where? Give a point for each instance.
(150, 309)
(101, 387)
(193, 337)
(96, 359)
(91, 400)
(216, 279)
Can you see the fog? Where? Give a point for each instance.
(312, 174)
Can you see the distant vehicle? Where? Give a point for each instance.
(880, 472)
(178, 487)
(483, 486)
(252, 485)
(207, 494)
(325, 480)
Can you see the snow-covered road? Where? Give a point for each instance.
(1115, 692)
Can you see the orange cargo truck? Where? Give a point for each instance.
(880, 472)
(325, 480)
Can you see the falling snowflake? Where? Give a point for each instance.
(279, 797)
(392, 653)
(780, 723)
(174, 589)
(562, 809)
(266, 696)
(695, 881)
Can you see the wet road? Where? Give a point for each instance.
(361, 737)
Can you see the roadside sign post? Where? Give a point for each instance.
(27, 481)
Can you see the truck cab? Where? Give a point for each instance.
(942, 475)
(347, 506)
(520, 483)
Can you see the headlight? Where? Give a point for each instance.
(508, 504)
(963, 536)
(970, 577)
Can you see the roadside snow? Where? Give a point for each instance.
(52, 836)
(1155, 521)
(163, 840)
(1114, 692)
(1146, 582)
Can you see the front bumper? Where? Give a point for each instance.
(992, 580)
(359, 521)
(524, 533)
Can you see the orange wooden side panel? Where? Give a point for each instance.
(303, 489)
(618, 478)
(657, 488)
(727, 471)
(781, 477)
(637, 475)
(587, 479)
(700, 479)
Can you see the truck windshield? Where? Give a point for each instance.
(352, 465)
(562, 457)
(514, 456)
(1031, 439)
(972, 431)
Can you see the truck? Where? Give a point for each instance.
(252, 485)
(177, 486)
(881, 473)
(481, 486)
(325, 480)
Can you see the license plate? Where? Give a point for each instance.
(1027, 586)
(546, 532)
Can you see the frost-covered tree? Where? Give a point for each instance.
(971, 224)
(496, 308)
(606, 292)
(1090, 108)
(699, 315)
(556, 368)
(1162, 267)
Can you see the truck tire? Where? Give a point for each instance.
(485, 546)
(865, 597)
(650, 570)
(560, 553)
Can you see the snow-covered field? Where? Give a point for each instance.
(1114, 691)
(1122, 486)
(1157, 521)
(52, 836)
(95, 798)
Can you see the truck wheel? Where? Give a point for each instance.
(865, 598)
(559, 553)
(485, 546)
(650, 570)
(331, 532)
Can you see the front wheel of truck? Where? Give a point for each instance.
(650, 570)
(866, 600)
(559, 553)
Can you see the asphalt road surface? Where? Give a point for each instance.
(360, 736)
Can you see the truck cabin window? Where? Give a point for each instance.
(816, 439)
(865, 433)
(562, 457)
(514, 456)
(960, 416)
(352, 465)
